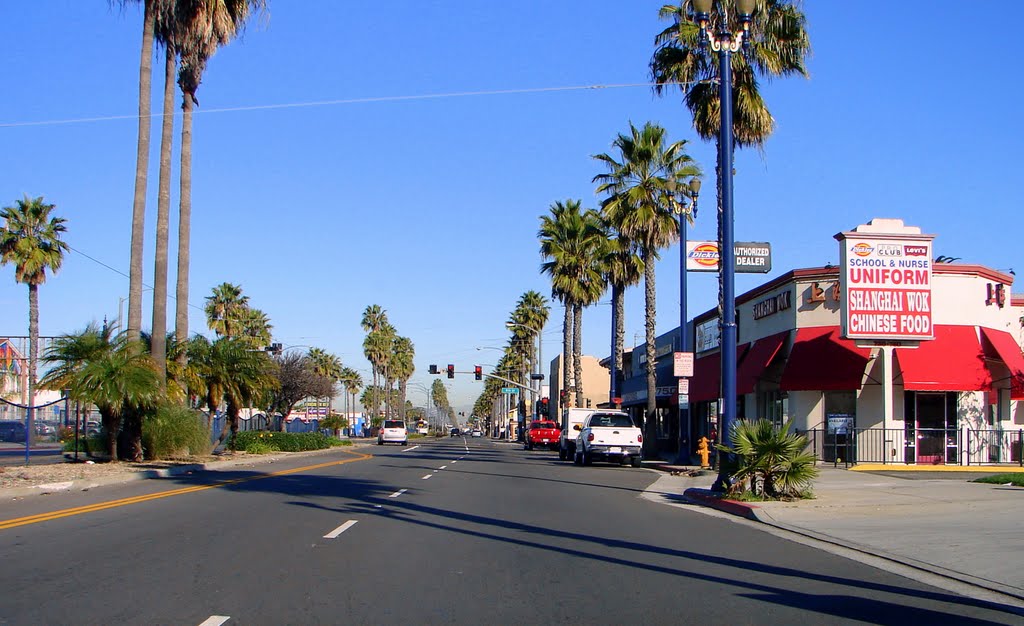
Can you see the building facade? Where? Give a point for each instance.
(949, 394)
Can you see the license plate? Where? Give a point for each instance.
(615, 450)
(544, 441)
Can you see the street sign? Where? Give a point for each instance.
(510, 390)
(682, 364)
(684, 386)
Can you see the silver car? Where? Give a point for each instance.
(393, 431)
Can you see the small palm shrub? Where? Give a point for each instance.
(175, 430)
(773, 459)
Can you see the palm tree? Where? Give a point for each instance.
(30, 240)
(164, 34)
(233, 374)
(352, 382)
(779, 47)
(328, 366)
(622, 268)
(224, 308)
(403, 353)
(204, 25)
(373, 322)
(641, 187)
(254, 328)
(570, 239)
(151, 9)
(114, 374)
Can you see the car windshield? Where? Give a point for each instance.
(394, 424)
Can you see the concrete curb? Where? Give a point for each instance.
(714, 500)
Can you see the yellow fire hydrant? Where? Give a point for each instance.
(703, 451)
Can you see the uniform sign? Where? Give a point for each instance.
(886, 285)
(752, 257)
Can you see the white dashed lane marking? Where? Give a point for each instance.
(340, 529)
(398, 493)
(215, 620)
(426, 477)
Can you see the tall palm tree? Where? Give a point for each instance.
(30, 240)
(779, 47)
(151, 8)
(641, 185)
(403, 354)
(254, 328)
(328, 366)
(224, 308)
(570, 239)
(204, 25)
(353, 382)
(113, 373)
(373, 322)
(623, 268)
(165, 34)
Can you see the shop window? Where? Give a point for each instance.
(840, 422)
(773, 406)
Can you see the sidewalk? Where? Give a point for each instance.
(948, 526)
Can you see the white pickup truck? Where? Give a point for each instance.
(609, 436)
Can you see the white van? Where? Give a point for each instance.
(567, 440)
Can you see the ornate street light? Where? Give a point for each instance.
(725, 42)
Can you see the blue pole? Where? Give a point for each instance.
(727, 263)
(683, 457)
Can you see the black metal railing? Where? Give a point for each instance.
(920, 446)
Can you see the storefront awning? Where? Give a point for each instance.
(1008, 352)
(757, 359)
(707, 375)
(950, 362)
(822, 361)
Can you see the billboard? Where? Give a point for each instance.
(886, 286)
(752, 257)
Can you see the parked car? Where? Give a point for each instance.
(609, 436)
(455, 432)
(393, 431)
(543, 433)
(12, 431)
(477, 432)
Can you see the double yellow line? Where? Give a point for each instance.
(44, 517)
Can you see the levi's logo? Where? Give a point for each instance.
(915, 250)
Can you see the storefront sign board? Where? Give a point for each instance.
(752, 257)
(886, 284)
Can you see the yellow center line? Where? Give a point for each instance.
(43, 517)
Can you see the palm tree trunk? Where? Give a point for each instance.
(141, 172)
(577, 352)
(158, 349)
(650, 443)
(619, 312)
(566, 353)
(184, 225)
(33, 357)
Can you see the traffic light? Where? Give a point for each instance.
(563, 395)
(543, 410)
(478, 372)
(433, 369)
(451, 371)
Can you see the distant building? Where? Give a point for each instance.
(595, 381)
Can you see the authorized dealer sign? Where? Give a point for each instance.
(886, 286)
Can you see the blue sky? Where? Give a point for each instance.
(430, 206)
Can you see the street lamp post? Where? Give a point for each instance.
(683, 457)
(725, 42)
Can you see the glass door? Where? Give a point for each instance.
(931, 428)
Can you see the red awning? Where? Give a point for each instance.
(1009, 353)
(950, 362)
(707, 375)
(821, 361)
(757, 359)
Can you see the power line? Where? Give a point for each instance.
(117, 271)
(320, 103)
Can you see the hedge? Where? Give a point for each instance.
(280, 442)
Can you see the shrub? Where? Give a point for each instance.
(773, 459)
(258, 447)
(283, 442)
(175, 430)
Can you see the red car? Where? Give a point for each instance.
(543, 434)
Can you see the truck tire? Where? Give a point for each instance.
(576, 459)
(529, 445)
(635, 461)
(561, 454)
(587, 459)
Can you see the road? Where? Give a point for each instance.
(450, 531)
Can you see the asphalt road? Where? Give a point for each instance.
(448, 532)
